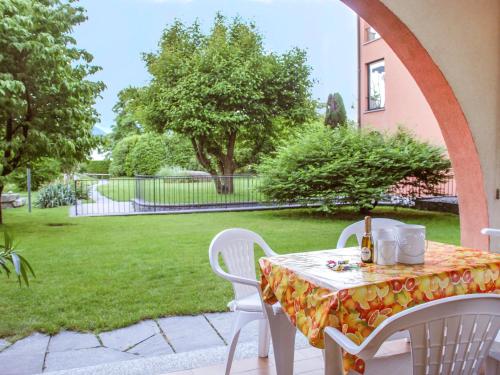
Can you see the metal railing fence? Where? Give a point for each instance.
(101, 195)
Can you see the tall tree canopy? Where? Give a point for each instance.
(45, 97)
(126, 120)
(226, 93)
(335, 111)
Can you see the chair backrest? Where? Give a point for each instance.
(357, 229)
(448, 336)
(491, 232)
(236, 246)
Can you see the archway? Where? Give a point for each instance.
(446, 109)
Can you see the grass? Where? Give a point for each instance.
(100, 273)
(173, 191)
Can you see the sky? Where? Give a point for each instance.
(117, 32)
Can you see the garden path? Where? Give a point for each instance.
(101, 204)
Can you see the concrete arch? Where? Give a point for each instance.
(447, 110)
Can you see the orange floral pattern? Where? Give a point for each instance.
(356, 302)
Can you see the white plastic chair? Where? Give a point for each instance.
(358, 229)
(448, 336)
(491, 232)
(237, 249)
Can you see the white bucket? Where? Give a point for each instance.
(411, 243)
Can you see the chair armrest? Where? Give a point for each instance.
(233, 278)
(342, 340)
(491, 232)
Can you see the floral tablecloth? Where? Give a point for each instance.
(357, 301)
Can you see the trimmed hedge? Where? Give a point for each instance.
(96, 166)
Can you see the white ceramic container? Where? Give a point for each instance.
(411, 243)
(387, 252)
(382, 234)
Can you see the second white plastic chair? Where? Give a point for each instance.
(448, 336)
(237, 249)
(357, 229)
(491, 232)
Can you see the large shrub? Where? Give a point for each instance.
(345, 165)
(55, 195)
(147, 155)
(120, 161)
(43, 171)
(180, 152)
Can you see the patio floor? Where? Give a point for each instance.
(167, 345)
(187, 345)
(307, 362)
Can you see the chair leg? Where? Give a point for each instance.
(333, 357)
(283, 335)
(264, 338)
(241, 319)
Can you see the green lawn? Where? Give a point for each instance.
(100, 273)
(171, 191)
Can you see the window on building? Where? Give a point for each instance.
(371, 34)
(376, 85)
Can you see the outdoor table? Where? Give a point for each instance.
(313, 296)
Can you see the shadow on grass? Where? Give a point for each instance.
(352, 214)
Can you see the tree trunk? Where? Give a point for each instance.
(224, 183)
(1, 211)
(222, 174)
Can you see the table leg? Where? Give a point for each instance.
(333, 357)
(283, 337)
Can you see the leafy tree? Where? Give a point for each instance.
(335, 111)
(44, 170)
(180, 152)
(347, 166)
(120, 160)
(45, 97)
(126, 120)
(224, 92)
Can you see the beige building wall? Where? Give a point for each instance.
(463, 39)
(404, 102)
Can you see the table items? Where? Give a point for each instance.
(367, 246)
(411, 243)
(342, 265)
(387, 252)
(356, 302)
(385, 246)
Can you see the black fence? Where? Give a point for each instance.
(414, 190)
(102, 195)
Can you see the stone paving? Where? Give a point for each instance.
(174, 338)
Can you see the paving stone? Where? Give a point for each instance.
(156, 345)
(124, 338)
(83, 358)
(187, 333)
(36, 343)
(25, 356)
(68, 340)
(3, 344)
(223, 323)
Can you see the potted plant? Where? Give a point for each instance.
(10, 258)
